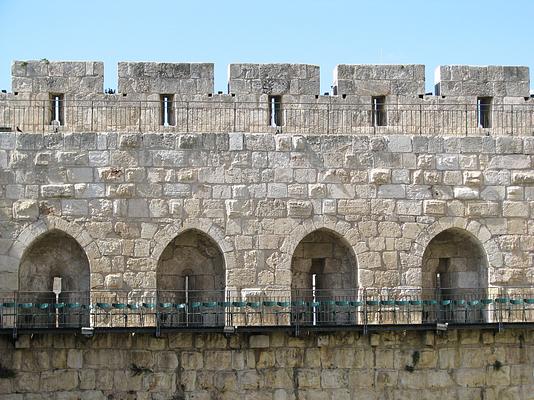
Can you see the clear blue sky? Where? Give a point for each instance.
(326, 33)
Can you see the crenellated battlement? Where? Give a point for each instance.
(165, 78)
(272, 79)
(282, 98)
(57, 77)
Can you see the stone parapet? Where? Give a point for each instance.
(491, 81)
(379, 80)
(80, 77)
(165, 78)
(274, 79)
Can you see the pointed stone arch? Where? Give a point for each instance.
(39, 229)
(454, 259)
(167, 234)
(52, 253)
(192, 259)
(474, 229)
(339, 231)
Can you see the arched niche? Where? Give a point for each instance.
(191, 266)
(56, 254)
(323, 254)
(455, 268)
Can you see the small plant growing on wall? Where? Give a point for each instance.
(415, 359)
(497, 365)
(6, 373)
(138, 370)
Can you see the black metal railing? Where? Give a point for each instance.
(216, 116)
(266, 308)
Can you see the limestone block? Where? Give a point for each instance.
(317, 191)
(515, 209)
(276, 190)
(376, 80)
(25, 209)
(158, 208)
(400, 176)
(236, 141)
(473, 178)
(523, 177)
(74, 207)
(392, 191)
(51, 191)
(283, 143)
(58, 380)
(165, 78)
(189, 142)
(259, 341)
(465, 193)
(509, 145)
(308, 378)
(57, 76)
(353, 207)
(74, 359)
(409, 207)
(329, 206)
(399, 143)
(380, 176)
(274, 79)
(508, 162)
(299, 208)
(493, 80)
(89, 190)
(447, 162)
(129, 141)
(514, 193)
(113, 281)
(470, 377)
(482, 209)
(167, 360)
(437, 207)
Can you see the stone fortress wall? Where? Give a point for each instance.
(262, 211)
(125, 196)
(466, 364)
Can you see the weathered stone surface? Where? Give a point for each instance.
(57, 191)
(377, 80)
(296, 208)
(165, 78)
(493, 80)
(25, 209)
(57, 76)
(274, 79)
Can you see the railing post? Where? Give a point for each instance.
(187, 117)
(44, 114)
(365, 316)
(420, 119)
(466, 123)
(511, 119)
(15, 314)
(140, 109)
(328, 118)
(235, 117)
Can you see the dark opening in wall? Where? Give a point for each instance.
(167, 109)
(484, 112)
(275, 112)
(378, 104)
(57, 108)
